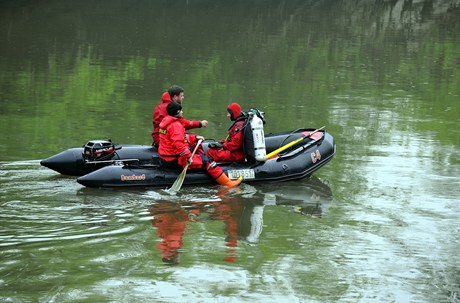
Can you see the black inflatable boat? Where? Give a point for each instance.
(290, 155)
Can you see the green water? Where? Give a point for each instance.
(379, 223)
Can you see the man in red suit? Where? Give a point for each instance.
(174, 94)
(231, 148)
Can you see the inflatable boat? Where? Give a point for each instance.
(289, 156)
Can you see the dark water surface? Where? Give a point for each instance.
(379, 223)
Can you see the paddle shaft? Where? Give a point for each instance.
(193, 153)
(284, 147)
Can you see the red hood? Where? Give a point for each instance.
(168, 120)
(235, 110)
(165, 98)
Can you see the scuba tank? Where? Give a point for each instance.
(253, 136)
(258, 137)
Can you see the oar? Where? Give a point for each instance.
(180, 179)
(284, 147)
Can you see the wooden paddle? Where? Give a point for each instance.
(180, 179)
(284, 147)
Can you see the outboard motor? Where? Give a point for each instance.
(98, 150)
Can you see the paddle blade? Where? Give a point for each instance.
(178, 183)
(180, 179)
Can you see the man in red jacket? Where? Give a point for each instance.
(174, 94)
(231, 148)
(175, 146)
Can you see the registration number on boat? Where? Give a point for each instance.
(245, 173)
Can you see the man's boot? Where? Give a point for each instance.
(224, 180)
(218, 174)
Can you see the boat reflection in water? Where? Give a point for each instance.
(242, 218)
(310, 197)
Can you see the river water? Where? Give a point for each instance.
(379, 223)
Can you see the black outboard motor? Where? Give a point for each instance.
(98, 150)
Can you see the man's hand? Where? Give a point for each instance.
(198, 138)
(204, 123)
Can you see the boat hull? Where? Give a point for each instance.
(300, 161)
